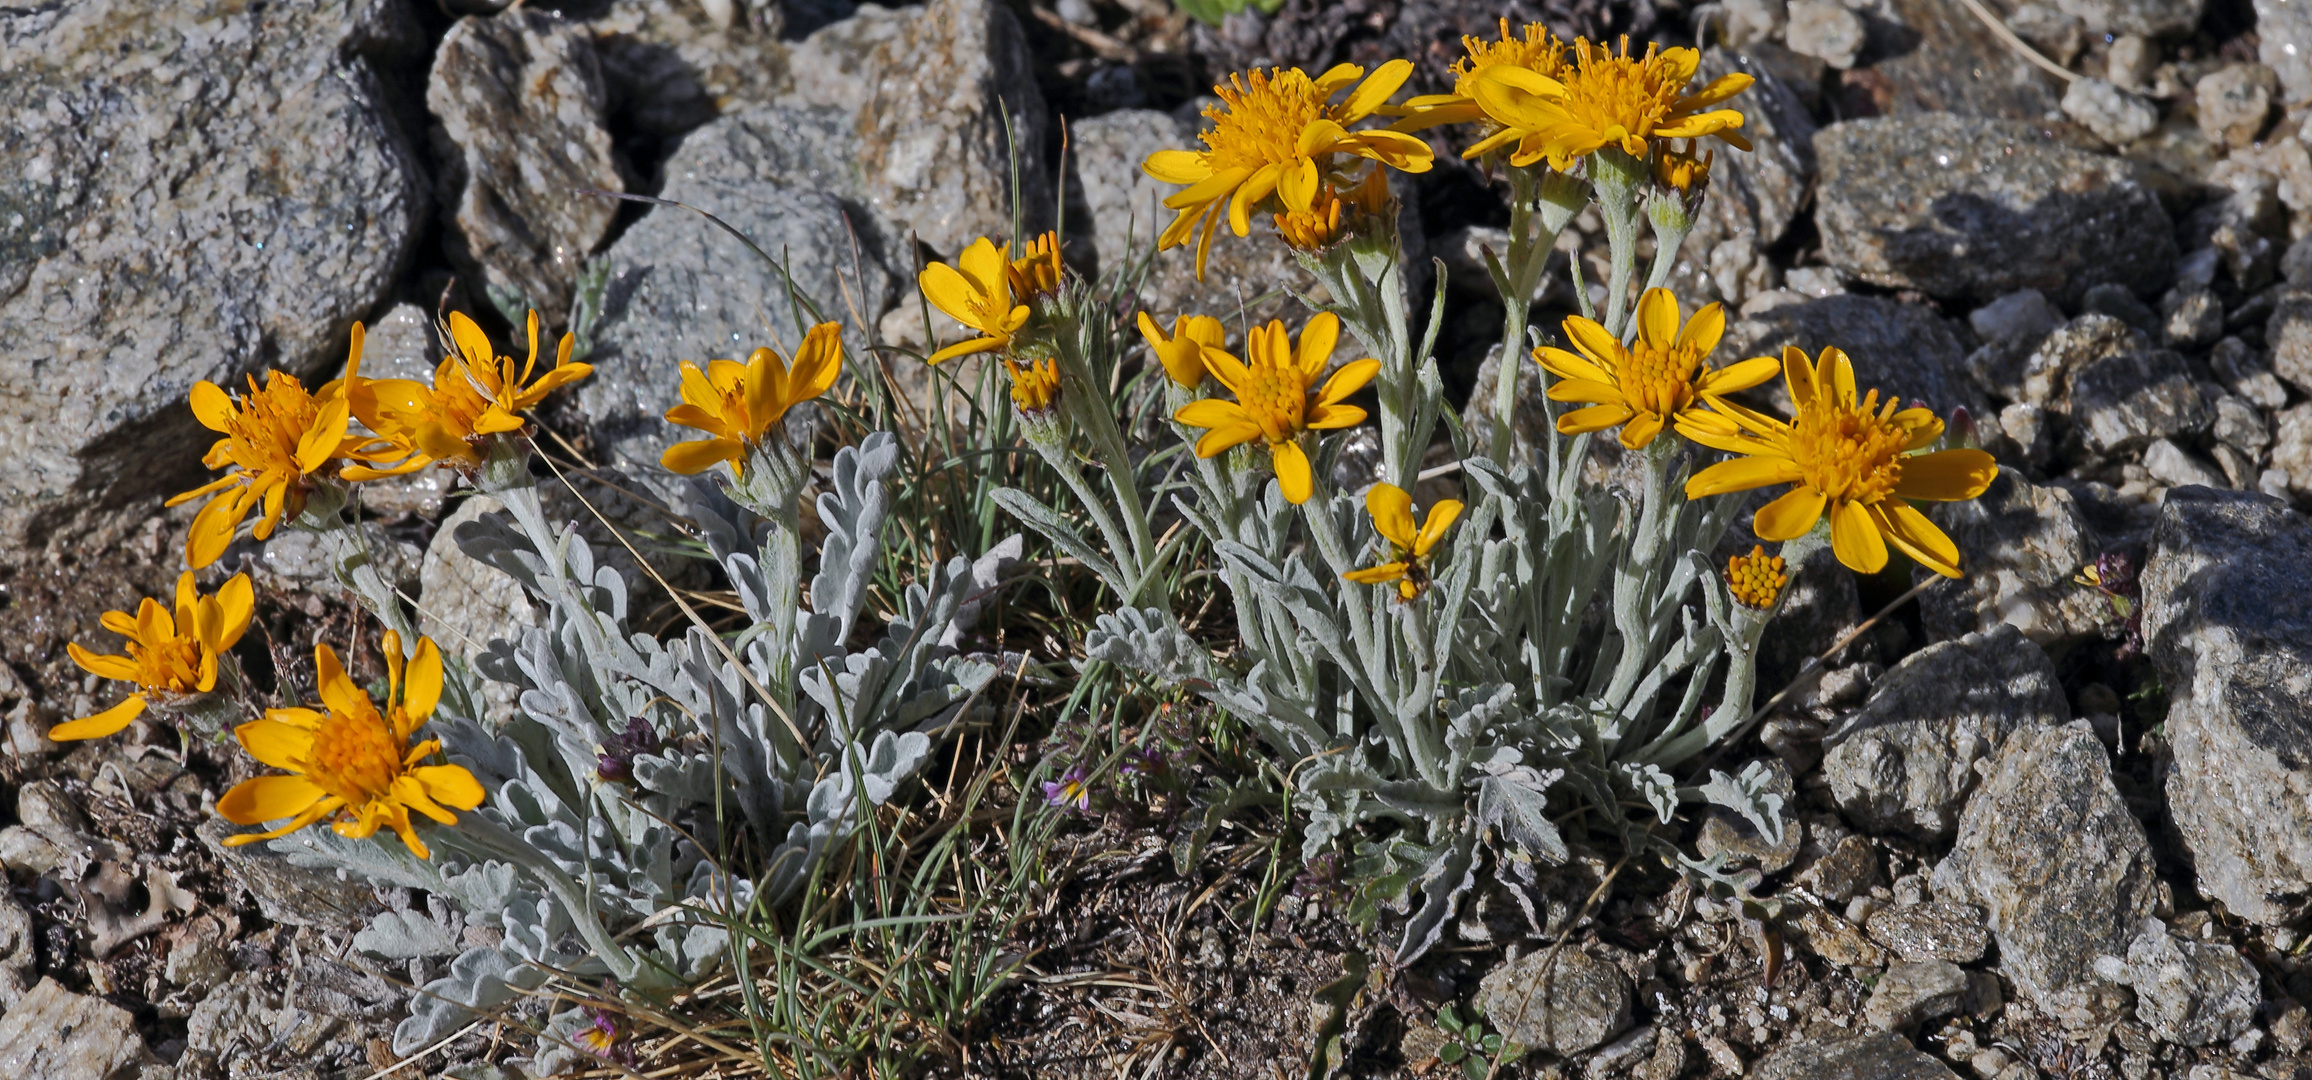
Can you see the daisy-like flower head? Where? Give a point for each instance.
(1604, 99)
(1536, 50)
(1335, 215)
(1756, 579)
(977, 292)
(351, 762)
(278, 440)
(1409, 547)
(1854, 459)
(1037, 273)
(1278, 398)
(739, 404)
(170, 658)
(1035, 385)
(1276, 135)
(476, 396)
(1658, 381)
(1182, 351)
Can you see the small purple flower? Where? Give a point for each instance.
(1073, 788)
(1147, 762)
(615, 762)
(605, 1035)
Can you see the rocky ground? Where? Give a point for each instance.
(2048, 829)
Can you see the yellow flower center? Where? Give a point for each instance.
(1849, 452)
(1539, 51)
(1619, 95)
(1756, 579)
(172, 665)
(356, 758)
(1036, 273)
(267, 427)
(1659, 381)
(1264, 118)
(1276, 399)
(1035, 386)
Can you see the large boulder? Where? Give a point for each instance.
(187, 191)
(520, 98)
(1943, 59)
(2225, 620)
(681, 289)
(2050, 851)
(1907, 761)
(2020, 545)
(1965, 207)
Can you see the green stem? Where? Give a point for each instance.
(1635, 578)
(1618, 178)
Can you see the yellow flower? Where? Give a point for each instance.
(1604, 100)
(169, 659)
(1182, 353)
(738, 403)
(1277, 399)
(1409, 548)
(1323, 224)
(1538, 51)
(1756, 579)
(1035, 386)
(1681, 171)
(351, 762)
(1855, 460)
(1659, 381)
(976, 292)
(277, 439)
(1036, 274)
(1277, 135)
(476, 394)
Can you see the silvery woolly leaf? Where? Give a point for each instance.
(1748, 796)
(1051, 526)
(1515, 801)
(480, 978)
(404, 935)
(1451, 872)
(987, 573)
(1654, 786)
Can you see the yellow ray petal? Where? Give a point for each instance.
(268, 798)
(108, 722)
(1790, 516)
(1855, 537)
(1741, 474)
(1441, 517)
(280, 745)
(1917, 536)
(1392, 512)
(1658, 319)
(1293, 476)
(1946, 475)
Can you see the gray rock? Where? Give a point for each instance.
(19, 952)
(2189, 992)
(55, 1034)
(2063, 870)
(1840, 1055)
(2292, 448)
(928, 88)
(2224, 619)
(2146, 18)
(1906, 761)
(2114, 115)
(2234, 101)
(2020, 545)
(520, 98)
(1851, 866)
(1913, 992)
(1935, 930)
(671, 66)
(2247, 372)
(1959, 207)
(2047, 373)
(1756, 195)
(682, 289)
(2130, 61)
(193, 191)
(2175, 466)
(1532, 423)
(2121, 403)
(2289, 335)
(2020, 316)
(2284, 43)
(1825, 30)
(464, 604)
(299, 559)
(2056, 33)
(285, 891)
(1577, 1002)
(1941, 59)
(1125, 207)
(2117, 302)
(1898, 349)
(2191, 318)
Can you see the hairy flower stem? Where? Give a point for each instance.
(351, 561)
(1672, 220)
(772, 486)
(1536, 195)
(1733, 714)
(1049, 438)
(1636, 580)
(476, 835)
(1084, 401)
(1618, 178)
(1366, 278)
(505, 476)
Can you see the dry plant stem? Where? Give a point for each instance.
(352, 563)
